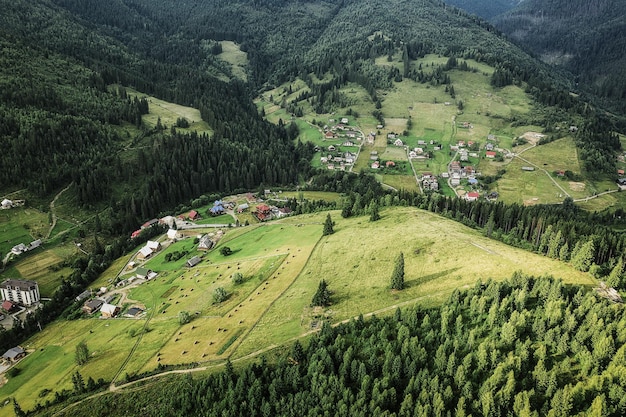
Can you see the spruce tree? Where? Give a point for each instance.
(397, 278)
(322, 295)
(328, 226)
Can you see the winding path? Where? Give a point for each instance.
(54, 216)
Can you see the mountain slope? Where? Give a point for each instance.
(586, 38)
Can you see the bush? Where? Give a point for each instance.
(237, 278)
(219, 295)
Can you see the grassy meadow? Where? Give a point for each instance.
(282, 263)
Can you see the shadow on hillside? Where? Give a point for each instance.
(427, 278)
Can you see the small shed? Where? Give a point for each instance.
(193, 261)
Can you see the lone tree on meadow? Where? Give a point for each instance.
(397, 278)
(322, 295)
(328, 226)
(226, 251)
(82, 353)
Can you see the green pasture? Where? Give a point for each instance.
(311, 195)
(169, 112)
(21, 225)
(535, 187)
(238, 59)
(282, 263)
(558, 155)
(357, 260)
(45, 267)
(221, 219)
(401, 182)
(52, 359)
(394, 153)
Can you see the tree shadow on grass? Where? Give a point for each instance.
(427, 278)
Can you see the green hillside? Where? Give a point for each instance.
(282, 264)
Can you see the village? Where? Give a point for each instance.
(20, 297)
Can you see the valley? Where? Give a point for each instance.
(306, 208)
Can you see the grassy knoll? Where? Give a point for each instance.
(357, 260)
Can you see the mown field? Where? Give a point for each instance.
(282, 263)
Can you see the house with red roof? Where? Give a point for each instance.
(193, 215)
(472, 196)
(263, 212)
(490, 154)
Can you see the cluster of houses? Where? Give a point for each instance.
(151, 247)
(101, 303)
(21, 248)
(264, 212)
(421, 151)
(336, 159)
(429, 182)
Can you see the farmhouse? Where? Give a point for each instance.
(6, 204)
(329, 135)
(375, 165)
(217, 209)
(242, 207)
(193, 261)
(92, 306)
(109, 310)
(283, 212)
(148, 250)
(135, 234)
(21, 292)
(264, 212)
(142, 273)
(172, 234)
(14, 354)
(455, 167)
(398, 142)
(205, 243)
(490, 154)
(19, 249)
(34, 244)
(455, 180)
(344, 120)
(528, 168)
(472, 196)
(168, 220)
(193, 215)
(390, 164)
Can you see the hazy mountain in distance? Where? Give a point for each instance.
(585, 37)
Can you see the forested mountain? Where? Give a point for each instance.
(587, 38)
(60, 56)
(487, 9)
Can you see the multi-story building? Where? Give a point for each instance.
(19, 291)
